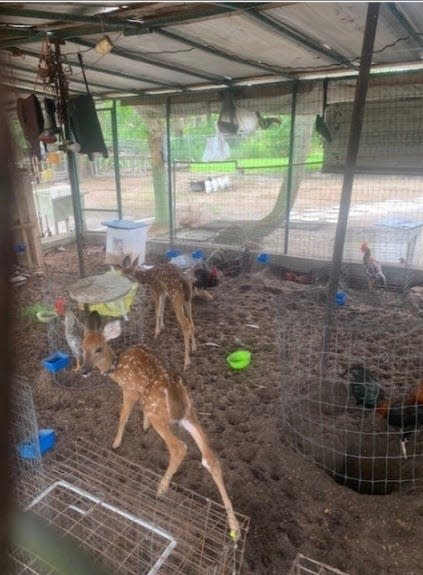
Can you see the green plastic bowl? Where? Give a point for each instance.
(239, 359)
(46, 316)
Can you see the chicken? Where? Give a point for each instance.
(407, 415)
(265, 123)
(74, 330)
(373, 267)
(202, 279)
(364, 386)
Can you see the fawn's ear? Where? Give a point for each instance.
(112, 330)
(135, 262)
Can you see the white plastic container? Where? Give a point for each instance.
(126, 238)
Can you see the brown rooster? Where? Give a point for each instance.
(406, 414)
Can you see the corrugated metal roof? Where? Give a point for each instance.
(177, 46)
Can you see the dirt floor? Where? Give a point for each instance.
(293, 505)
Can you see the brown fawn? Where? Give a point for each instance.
(167, 280)
(163, 398)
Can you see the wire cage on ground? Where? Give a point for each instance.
(25, 449)
(303, 565)
(109, 506)
(350, 392)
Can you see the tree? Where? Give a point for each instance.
(256, 231)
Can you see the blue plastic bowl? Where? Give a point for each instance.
(30, 450)
(197, 254)
(56, 361)
(173, 253)
(263, 258)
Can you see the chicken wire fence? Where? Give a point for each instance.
(265, 183)
(108, 507)
(242, 194)
(348, 391)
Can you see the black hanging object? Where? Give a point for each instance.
(227, 122)
(85, 123)
(321, 126)
(86, 126)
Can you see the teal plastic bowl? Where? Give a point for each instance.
(239, 359)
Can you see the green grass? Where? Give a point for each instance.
(253, 164)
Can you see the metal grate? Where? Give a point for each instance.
(305, 566)
(109, 506)
(24, 429)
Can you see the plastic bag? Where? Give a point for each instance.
(217, 149)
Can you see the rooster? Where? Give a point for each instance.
(203, 278)
(364, 386)
(373, 267)
(407, 415)
(74, 330)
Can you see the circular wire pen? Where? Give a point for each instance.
(354, 408)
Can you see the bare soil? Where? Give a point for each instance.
(293, 505)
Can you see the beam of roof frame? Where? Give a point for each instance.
(153, 62)
(216, 52)
(72, 80)
(205, 10)
(29, 87)
(402, 20)
(302, 39)
(124, 76)
(99, 20)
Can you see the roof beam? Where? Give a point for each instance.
(100, 20)
(107, 72)
(29, 87)
(401, 19)
(72, 80)
(158, 63)
(202, 11)
(216, 52)
(298, 37)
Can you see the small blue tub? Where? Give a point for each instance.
(263, 258)
(173, 253)
(56, 361)
(30, 450)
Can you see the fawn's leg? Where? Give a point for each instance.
(129, 400)
(188, 314)
(146, 421)
(212, 464)
(159, 303)
(177, 450)
(186, 330)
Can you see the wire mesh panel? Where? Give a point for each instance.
(351, 393)
(109, 506)
(25, 452)
(305, 566)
